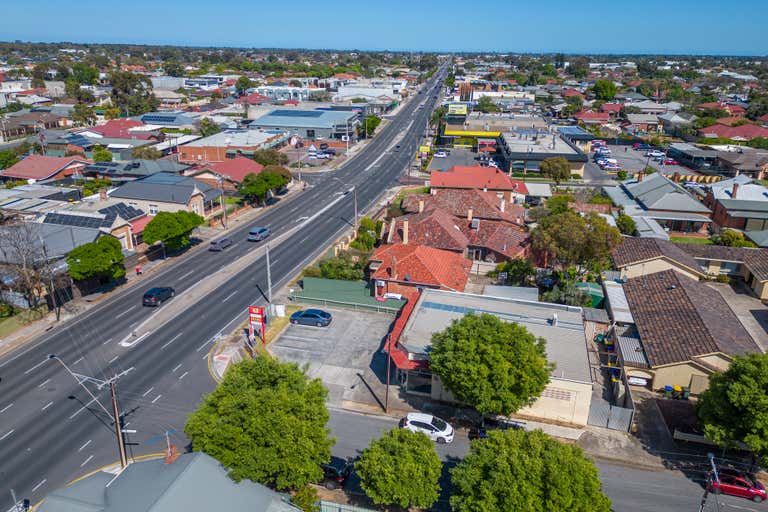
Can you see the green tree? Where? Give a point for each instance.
(92, 186)
(267, 422)
(279, 169)
(626, 224)
(579, 67)
(84, 74)
(208, 127)
(495, 366)
(567, 293)
(486, 104)
(242, 85)
(368, 125)
(758, 143)
(256, 187)
(132, 93)
(343, 267)
(306, 499)
(173, 229)
(572, 240)
(111, 113)
(560, 203)
(367, 234)
(622, 175)
(401, 468)
(732, 238)
(173, 68)
(146, 153)
(518, 271)
(735, 407)
(604, 90)
(270, 157)
(8, 158)
(101, 259)
(82, 115)
(518, 470)
(556, 168)
(101, 154)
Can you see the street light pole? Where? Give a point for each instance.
(220, 179)
(118, 426)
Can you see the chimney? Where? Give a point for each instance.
(735, 190)
(382, 230)
(640, 176)
(421, 205)
(392, 227)
(469, 214)
(405, 232)
(502, 205)
(103, 194)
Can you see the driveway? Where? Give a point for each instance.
(346, 355)
(634, 161)
(458, 156)
(752, 313)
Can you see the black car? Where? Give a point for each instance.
(480, 431)
(336, 472)
(156, 296)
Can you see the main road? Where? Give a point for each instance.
(51, 430)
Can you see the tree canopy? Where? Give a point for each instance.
(735, 407)
(486, 104)
(173, 229)
(626, 224)
(101, 154)
(132, 93)
(604, 90)
(242, 85)
(208, 127)
(518, 470)
(556, 168)
(732, 238)
(146, 153)
(401, 468)
(517, 271)
(270, 157)
(102, 259)
(82, 115)
(495, 366)
(256, 187)
(265, 422)
(173, 68)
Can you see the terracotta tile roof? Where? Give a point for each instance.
(733, 109)
(592, 116)
(400, 355)
(255, 99)
(236, 168)
(419, 264)
(637, 250)
(679, 318)
(434, 228)
(611, 107)
(121, 129)
(476, 177)
(500, 237)
(40, 167)
(458, 202)
(138, 225)
(755, 259)
(569, 93)
(744, 132)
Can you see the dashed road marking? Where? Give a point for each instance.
(110, 339)
(113, 359)
(171, 340)
(156, 398)
(229, 296)
(86, 444)
(148, 391)
(38, 365)
(6, 407)
(46, 381)
(6, 434)
(183, 375)
(39, 485)
(77, 361)
(176, 368)
(86, 461)
(126, 311)
(47, 406)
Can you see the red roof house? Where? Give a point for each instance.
(571, 93)
(468, 204)
(255, 99)
(40, 167)
(232, 170)
(590, 117)
(743, 132)
(734, 110)
(611, 108)
(478, 178)
(401, 268)
(122, 129)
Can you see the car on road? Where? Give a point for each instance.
(258, 233)
(736, 483)
(655, 153)
(480, 431)
(220, 244)
(316, 317)
(157, 295)
(436, 429)
(641, 147)
(440, 154)
(336, 472)
(669, 161)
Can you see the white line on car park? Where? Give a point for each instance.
(77, 361)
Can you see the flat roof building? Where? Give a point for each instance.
(524, 151)
(310, 124)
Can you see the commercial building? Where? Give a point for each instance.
(310, 124)
(568, 395)
(524, 151)
(229, 143)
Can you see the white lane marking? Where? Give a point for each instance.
(82, 408)
(183, 375)
(39, 485)
(77, 361)
(47, 406)
(7, 434)
(148, 391)
(110, 339)
(156, 398)
(188, 274)
(205, 356)
(177, 367)
(38, 365)
(229, 296)
(6, 407)
(172, 340)
(201, 347)
(126, 311)
(113, 359)
(46, 381)
(86, 444)
(135, 341)
(86, 461)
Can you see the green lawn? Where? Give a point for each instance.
(10, 324)
(691, 240)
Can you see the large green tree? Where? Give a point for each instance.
(401, 468)
(173, 229)
(146, 153)
(570, 239)
(84, 74)
(486, 104)
(604, 90)
(556, 168)
(173, 68)
(518, 470)
(242, 85)
(735, 407)
(82, 115)
(101, 259)
(517, 271)
(132, 93)
(265, 422)
(495, 366)
(626, 224)
(256, 187)
(208, 127)
(101, 154)
(270, 157)
(732, 238)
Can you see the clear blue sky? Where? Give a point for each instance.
(593, 26)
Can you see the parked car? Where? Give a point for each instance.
(641, 147)
(158, 295)
(654, 153)
(440, 154)
(257, 234)
(480, 431)
(336, 472)
(220, 244)
(435, 428)
(330, 151)
(669, 161)
(323, 146)
(316, 317)
(736, 483)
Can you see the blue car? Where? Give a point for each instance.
(316, 317)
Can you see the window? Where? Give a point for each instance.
(310, 134)
(195, 208)
(153, 209)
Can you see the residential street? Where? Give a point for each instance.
(50, 429)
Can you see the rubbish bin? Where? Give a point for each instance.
(668, 391)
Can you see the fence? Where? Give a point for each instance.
(355, 306)
(329, 506)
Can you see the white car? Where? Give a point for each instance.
(440, 154)
(654, 154)
(435, 428)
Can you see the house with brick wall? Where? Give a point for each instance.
(231, 172)
(475, 177)
(737, 203)
(470, 204)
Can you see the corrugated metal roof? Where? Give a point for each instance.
(632, 351)
(618, 307)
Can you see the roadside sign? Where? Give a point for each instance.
(256, 322)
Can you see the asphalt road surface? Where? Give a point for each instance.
(52, 431)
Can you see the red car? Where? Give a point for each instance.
(669, 161)
(736, 483)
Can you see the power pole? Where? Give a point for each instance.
(269, 279)
(118, 425)
(354, 189)
(706, 486)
